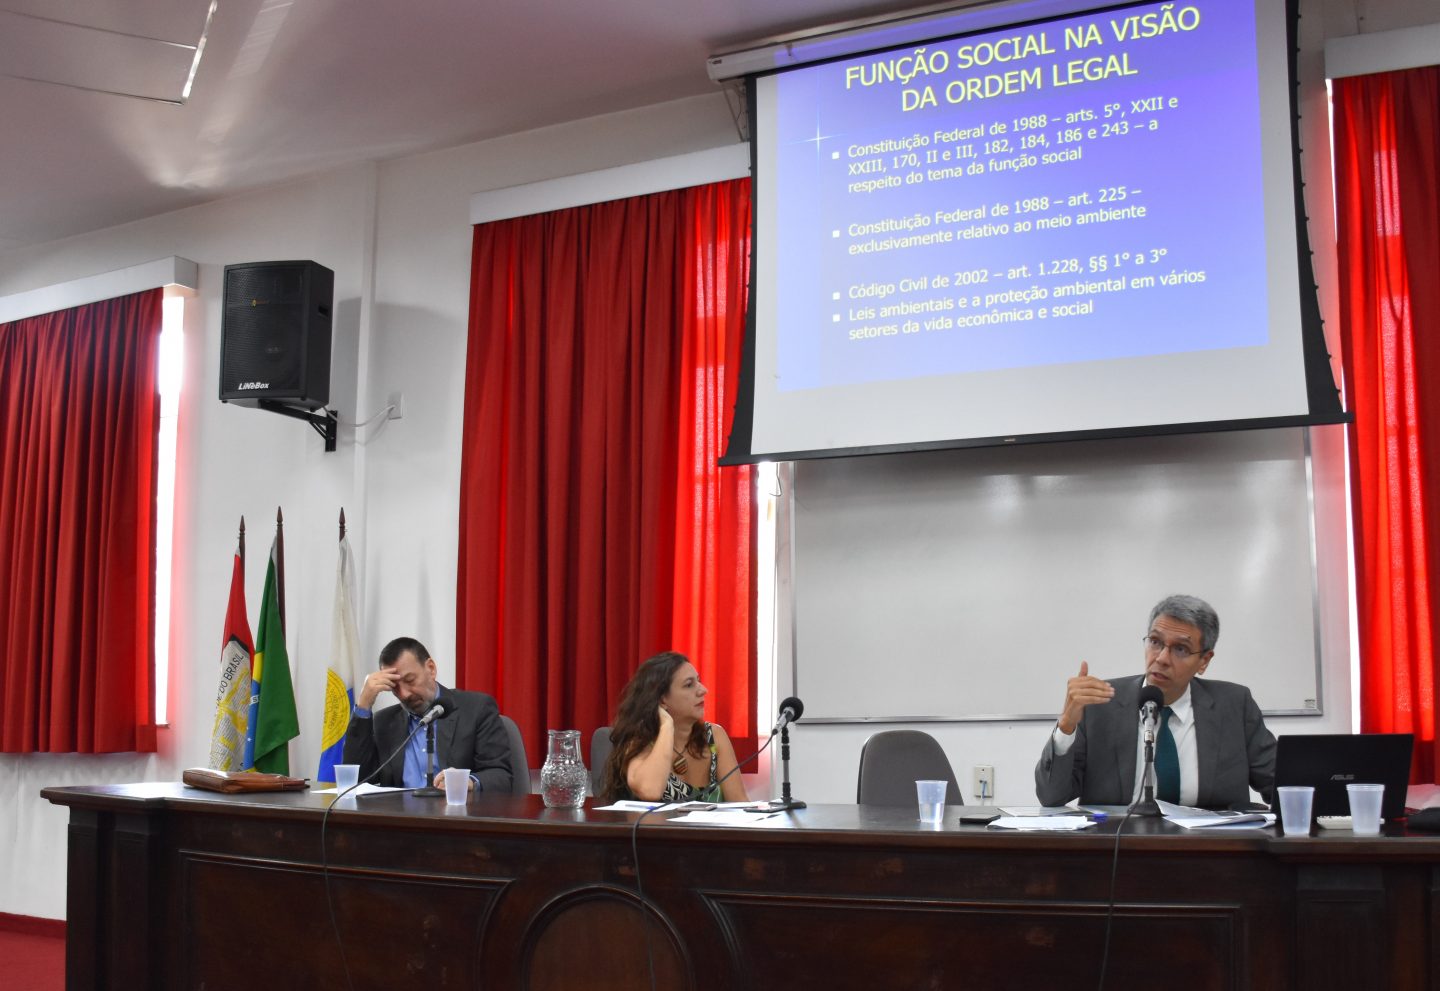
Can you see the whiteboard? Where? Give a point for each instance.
(970, 584)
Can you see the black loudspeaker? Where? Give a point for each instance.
(275, 334)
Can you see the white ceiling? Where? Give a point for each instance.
(289, 87)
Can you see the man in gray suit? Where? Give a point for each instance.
(470, 735)
(1217, 747)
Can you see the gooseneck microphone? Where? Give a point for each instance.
(437, 711)
(1151, 699)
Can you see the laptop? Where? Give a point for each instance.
(1329, 762)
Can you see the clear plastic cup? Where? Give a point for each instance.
(1295, 804)
(457, 786)
(1365, 801)
(346, 776)
(932, 801)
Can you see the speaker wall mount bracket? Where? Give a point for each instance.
(325, 423)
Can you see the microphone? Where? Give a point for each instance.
(1151, 699)
(437, 711)
(790, 711)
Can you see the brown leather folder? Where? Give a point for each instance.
(233, 782)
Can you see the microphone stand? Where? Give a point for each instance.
(429, 790)
(784, 803)
(1146, 806)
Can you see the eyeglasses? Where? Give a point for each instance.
(1178, 651)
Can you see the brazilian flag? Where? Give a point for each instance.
(273, 722)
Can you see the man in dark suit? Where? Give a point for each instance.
(1212, 747)
(470, 735)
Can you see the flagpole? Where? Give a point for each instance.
(340, 677)
(273, 720)
(232, 699)
(280, 563)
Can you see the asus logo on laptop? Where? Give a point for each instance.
(1342, 777)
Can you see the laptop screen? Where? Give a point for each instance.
(1329, 762)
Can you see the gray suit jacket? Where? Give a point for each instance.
(472, 737)
(1235, 750)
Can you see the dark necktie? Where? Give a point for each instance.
(1167, 763)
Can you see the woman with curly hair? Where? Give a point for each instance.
(663, 749)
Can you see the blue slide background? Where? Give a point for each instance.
(1199, 175)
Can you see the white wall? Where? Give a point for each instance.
(398, 238)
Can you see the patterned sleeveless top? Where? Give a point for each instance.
(677, 789)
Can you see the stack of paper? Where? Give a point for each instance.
(1036, 823)
(1182, 815)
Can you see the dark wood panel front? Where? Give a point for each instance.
(1430, 923)
(173, 889)
(85, 938)
(138, 878)
(603, 938)
(847, 943)
(391, 930)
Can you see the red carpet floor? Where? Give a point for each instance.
(32, 963)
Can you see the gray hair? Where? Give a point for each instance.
(1192, 611)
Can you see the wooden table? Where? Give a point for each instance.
(173, 888)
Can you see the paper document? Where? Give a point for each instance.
(630, 805)
(733, 817)
(1226, 820)
(1182, 815)
(1042, 823)
(1037, 810)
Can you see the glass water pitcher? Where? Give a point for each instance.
(563, 777)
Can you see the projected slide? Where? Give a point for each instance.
(1081, 189)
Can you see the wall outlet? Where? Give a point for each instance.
(984, 783)
(397, 406)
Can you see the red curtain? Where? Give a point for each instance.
(1387, 176)
(79, 415)
(595, 528)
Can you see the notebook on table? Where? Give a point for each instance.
(1330, 761)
